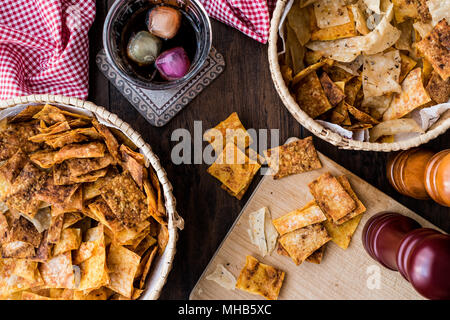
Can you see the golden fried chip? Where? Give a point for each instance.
(336, 32)
(23, 230)
(438, 89)
(50, 115)
(228, 131)
(56, 226)
(351, 89)
(26, 269)
(17, 250)
(360, 208)
(58, 272)
(93, 270)
(317, 256)
(330, 13)
(342, 234)
(361, 116)
(11, 283)
(55, 194)
(392, 127)
(9, 171)
(146, 267)
(295, 52)
(110, 140)
(50, 131)
(310, 69)
(62, 139)
(14, 136)
(301, 243)
(22, 194)
(26, 114)
(435, 48)
(126, 200)
(163, 238)
(332, 91)
(259, 278)
(298, 19)
(70, 240)
(331, 197)
(122, 265)
(134, 163)
(292, 158)
(88, 150)
(144, 245)
(404, 9)
(311, 97)
(81, 170)
(406, 66)
(413, 95)
(72, 204)
(157, 186)
(71, 218)
(297, 219)
(44, 158)
(233, 168)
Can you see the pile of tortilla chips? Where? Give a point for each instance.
(367, 64)
(236, 164)
(81, 215)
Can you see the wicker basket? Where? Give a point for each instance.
(156, 282)
(438, 128)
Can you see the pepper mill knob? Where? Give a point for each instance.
(421, 255)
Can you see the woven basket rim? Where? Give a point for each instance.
(175, 222)
(316, 128)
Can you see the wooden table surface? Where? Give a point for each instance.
(245, 87)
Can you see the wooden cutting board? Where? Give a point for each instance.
(343, 274)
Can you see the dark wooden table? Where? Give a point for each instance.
(245, 87)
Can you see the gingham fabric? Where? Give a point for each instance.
(252, 17)
(44, 47)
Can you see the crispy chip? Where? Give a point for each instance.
(331, 197)
(361, 116)
(17, 250)
(259, 278)
(310, 69)
(89, 150)
(311, 97)
(297, 219)
(342, 234)
(50, 131)
(392, 127)
(298, 20)
(134, 163)
(438, 89)
(413, 95)
(14, 136)
(435, 48)
(146, 268)
(317, 256)
(296, 157)
(233, 168)
(26, 114)
(55, 194)
(336, 32)
(381, 74)
(70, 240)
(60, 140)
(332, 91)
(56, 226)
(110, 140)
(360, 20)
(301, 243)
(351, 89)
(230, 130)
(330, 13)
(360, 208)
(122, 264)
(438, 10)
(9, 170)
(23, 230)
(126, 200)
(407, 64)
(58, 272)
(50, 115)
(404, 9)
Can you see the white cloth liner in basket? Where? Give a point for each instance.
(163, 264)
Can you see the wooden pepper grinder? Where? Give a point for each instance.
(421, 174)
(421, 255)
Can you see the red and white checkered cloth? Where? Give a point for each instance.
(252, 17)
(44, 47)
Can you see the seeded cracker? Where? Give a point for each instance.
(331, 197)
(292, 158)
(262, 279)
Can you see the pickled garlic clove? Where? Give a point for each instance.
(143, 48)
(173, 64)
(164, 22)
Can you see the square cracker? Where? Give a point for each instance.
(311, 97)
(360, 208)
(292, 158)
(331, 197)
(301, 243)
(262, 279)
(435, 48)
(297, 219)
(58, 272)
(233, 168)
(126, 200)
(342, 234)
(231, 130)
(122, 265)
